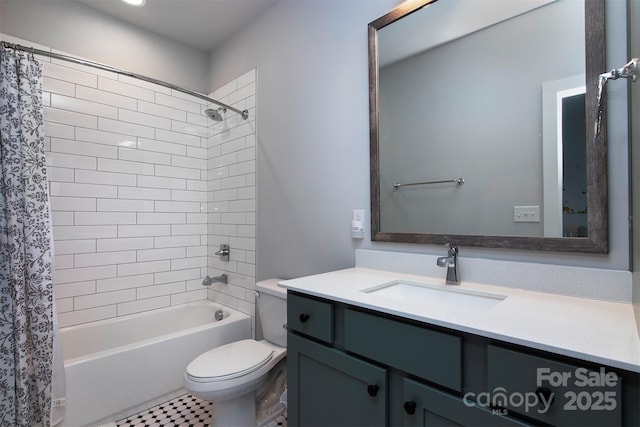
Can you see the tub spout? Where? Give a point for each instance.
(223, 278)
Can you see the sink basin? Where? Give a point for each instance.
(437, 296)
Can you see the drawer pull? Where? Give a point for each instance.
(304, 317)
(373, 390)
(410, 407)
(544, 394)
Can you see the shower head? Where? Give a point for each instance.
(215, 114)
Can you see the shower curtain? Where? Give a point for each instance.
(26, 253)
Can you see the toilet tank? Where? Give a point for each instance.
(272, 309)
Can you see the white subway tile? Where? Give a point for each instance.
(177, 207)
(82, 148)
(58, 130)
(83, 190)
(143, 230)
(141, 83)
(161, 218)
(246, 78)
(139, 306)
(225, 90)
(186, 297)
(246, 154)
(143, 156)
(68, 290)
(95, 177)
(71, 161)
(58, 86)
(104, 218)
(84, 274)
(196, 185)
(178, 275)
(143, 193)
(246, 193)
(70, 118)
(60, 174)
(178, 138)
(86, 316)
(158, 254)
(137, 268)
(196, 218)
(105, 298)
(125, 205)
(176, 172)
(80, 67)
(224, 160)
(242, 93)
(125, 166)
(107, 245)
(242, 205)
(198, 119)
(176, 241)
(195, 99)
(144, 119)
(247, 269)
(221, 195)
(162, 182)
(176, 101)
(46, 99)
(125, 89)
(233, 218)
(159, 290)
(196, 251)
(63, 247)
(67, 74)
(62, 262)
(162, 111)
(62, 218)
(233, 182)
(105, 97)
(72, 203)
(132, 129)
(102, 137)
(243, 243)
(190, 129)
(189, 162)
(184, 263)
(127, 282)
(197, 152)
(189, 196)
(243, 168)
(64, 305)
(225, 229)
(63, 102)
(83, 232)
(233, 145)
(104, 258)
(181, 230)
(161, 146)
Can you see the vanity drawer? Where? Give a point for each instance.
(580, 396)
(428, 354)
(310, 317)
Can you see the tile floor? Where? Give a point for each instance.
(185, 410)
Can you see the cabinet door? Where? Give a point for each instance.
(426, 406)
(329, 388)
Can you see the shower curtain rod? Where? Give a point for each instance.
(35, 51)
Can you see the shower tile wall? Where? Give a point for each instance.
(127, 167)
(231, 164)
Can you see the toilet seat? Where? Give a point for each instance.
(230, 361)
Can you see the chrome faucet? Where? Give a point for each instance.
(451, 262)
(209, 280)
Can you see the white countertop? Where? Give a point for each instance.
(598, 331)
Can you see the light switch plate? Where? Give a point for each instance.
(526, 214)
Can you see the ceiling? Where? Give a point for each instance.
(200, 24)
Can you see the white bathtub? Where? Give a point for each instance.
(116, 367)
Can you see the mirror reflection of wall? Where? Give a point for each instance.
(472, 108)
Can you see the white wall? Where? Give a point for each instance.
(313, 143)
(72, 27)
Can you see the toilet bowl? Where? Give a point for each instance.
(230, 375)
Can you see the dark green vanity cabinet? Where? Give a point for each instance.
(350, 366)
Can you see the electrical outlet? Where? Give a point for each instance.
(526, 214)
(357, 224)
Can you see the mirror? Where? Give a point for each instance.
(482, 124)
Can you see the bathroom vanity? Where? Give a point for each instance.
(361, 356)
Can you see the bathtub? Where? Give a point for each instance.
(117, 367)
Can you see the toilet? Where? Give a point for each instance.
(245, 379)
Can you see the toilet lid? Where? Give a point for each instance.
(230, 360)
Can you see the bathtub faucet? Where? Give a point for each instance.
(223, 278)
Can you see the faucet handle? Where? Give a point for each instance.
(453, 249)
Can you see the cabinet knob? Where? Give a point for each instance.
(304, 317)
(410, 407)
(545, 394)
(373, 390)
